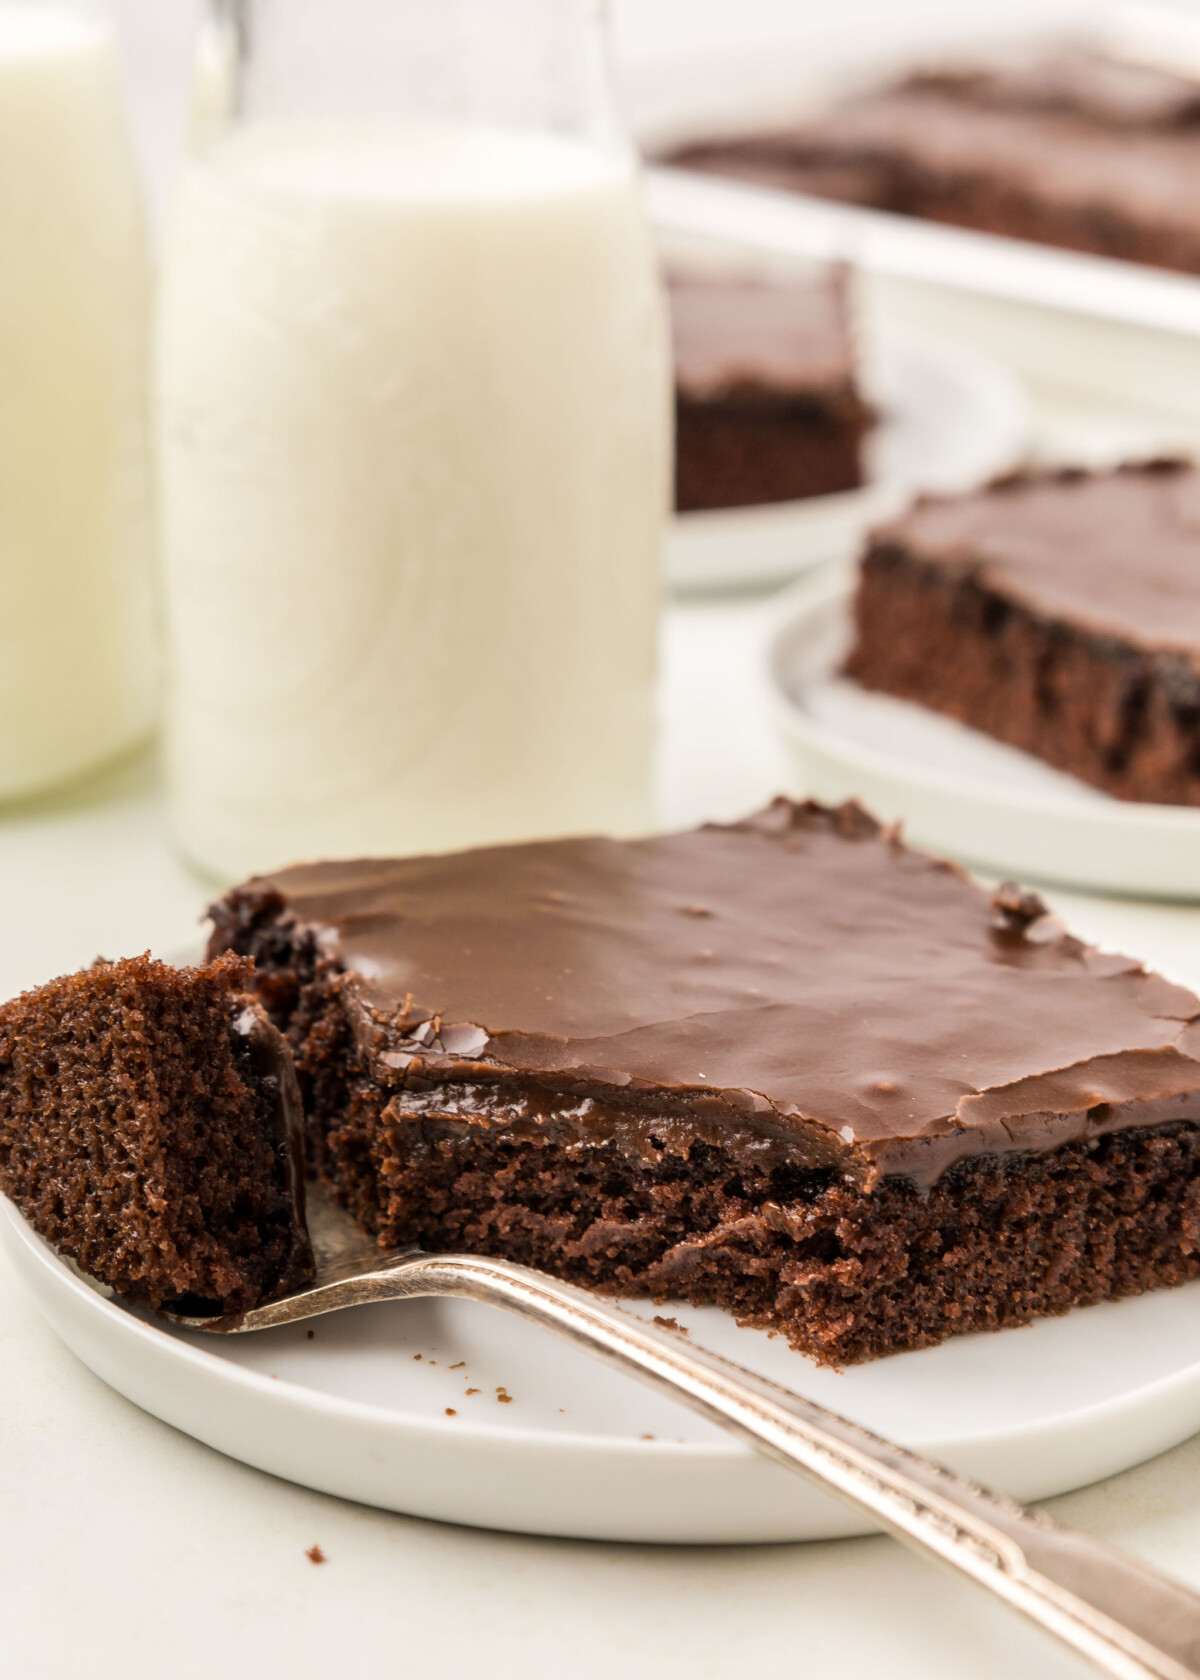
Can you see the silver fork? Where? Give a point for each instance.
(1129, 1620)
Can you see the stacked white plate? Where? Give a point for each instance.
(949, 417)
(954, 789)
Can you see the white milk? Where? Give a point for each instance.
(414, 424)
(76, 682)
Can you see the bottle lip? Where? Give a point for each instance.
(285, 60)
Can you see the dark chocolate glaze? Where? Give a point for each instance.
(747, 339)
(1081, 148)
(1060, 159)
(1076, 78)
(1117, 552)
(798, 986)
(268, 1060)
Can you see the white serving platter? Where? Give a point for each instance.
(360, 1410)
(956, 790)
(949, 418)
(1116, 330)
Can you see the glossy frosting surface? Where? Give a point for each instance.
(1143, 175)
(1075, 133)
(784, 339)
(1110, 91)
(1119, 551)
(800, 976)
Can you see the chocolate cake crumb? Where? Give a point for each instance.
(670, 1324)
(459, 1366)
(1016, 908)
(150, 1129)
(314, 1554)
(474, 1391)
(310, 1334)
(450, 1412)
(503, 1396)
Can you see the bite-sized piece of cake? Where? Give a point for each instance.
(1073, 148)
(1057, 610)
(150, 1128)
(767, 406)
(788, 1066)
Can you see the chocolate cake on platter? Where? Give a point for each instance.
(1058, 610)
(767, 400)
(786, 1065)
(1073, 146)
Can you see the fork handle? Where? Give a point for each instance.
(1125, 1617)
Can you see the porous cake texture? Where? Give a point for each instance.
(788, 1065)
(1057, 610)
(767, 400)
(150, 1129)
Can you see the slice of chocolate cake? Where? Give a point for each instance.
(1057, 610)
(788, 1066)
(767, 405)
(1075, 147)
(150, 1128)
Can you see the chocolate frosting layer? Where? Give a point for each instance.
(800, 982)
(270, 1063)
(1143, 175)
(1077, 133)
(1117, 551)
(1113, 92)
(749, 338)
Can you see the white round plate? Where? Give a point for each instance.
(361, 1409)
(949, 418)
(956, 790)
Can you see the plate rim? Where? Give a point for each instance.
(781, 222)
(882, 346)
(63, 1275)
(833, 585)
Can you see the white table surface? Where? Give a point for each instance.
(130, 1552)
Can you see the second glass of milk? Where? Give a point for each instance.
(413, 404)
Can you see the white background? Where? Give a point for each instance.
(128, 1552)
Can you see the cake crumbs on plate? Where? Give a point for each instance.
(450, 1412)
(503, 1396)
(310, 1334)
(459, 1366)
(314, 1554)
(474, 1391)
(670, 1324)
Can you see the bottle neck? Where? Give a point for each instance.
(522, 64)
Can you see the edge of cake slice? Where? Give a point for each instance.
(788, 1066)
(1057, 610)
(151, 1130)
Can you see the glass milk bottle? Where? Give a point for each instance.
(77, 682)
(413, 417)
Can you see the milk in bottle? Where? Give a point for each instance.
(413, 410)
(76, 678)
